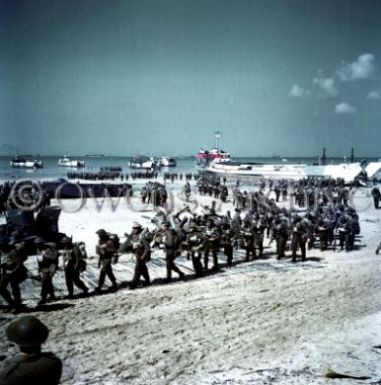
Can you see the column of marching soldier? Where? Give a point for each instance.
(201, 237)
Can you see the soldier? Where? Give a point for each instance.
(106, 251)
(227, 238)
(299, 238)
(323, 232)
(47, 267)
(211, 244)
(187, 191)
(144, 194)
(343, 228)
(258, 229)
(73, 263)
(194, 242)
(171, 246)
(138, 243)
(248, 240)
(31, 366)
(280, 234)
(376, 194)
(13, 273)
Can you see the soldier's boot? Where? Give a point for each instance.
(206, 260)
(101, 281)
(114, 285)
(69, 284)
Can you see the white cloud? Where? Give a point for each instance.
(298, 92)
(327, 86)
(361, 69)
(374, 95)
(345, 108)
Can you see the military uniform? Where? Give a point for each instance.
(227, 242)
(73, 262)
(280, 234)
(13, 273)
(248, 240)
(211, 245)
(258, 229)
(376, 194)
(33, 366)
(194, 242)
(170, 242)
(106, 251)
(299, 238)
(47, 266)
(140, 246)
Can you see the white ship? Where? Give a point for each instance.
(20, 162)
(66, 161)
(166, 161)
(143, 163)
(347, 171)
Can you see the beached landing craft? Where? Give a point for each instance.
(207, 156)
(285, 171)
(143, 163)
(225, 166)
(166, 161)
(20, 162)
(66, 161)
(347, 171)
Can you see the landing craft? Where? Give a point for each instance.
(166, 161)
(66, 161)
(143, 163)
(206, 156)
(21, 162)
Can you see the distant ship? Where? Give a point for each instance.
(94, 155)
(205, 156)
(66, 161)
(144, 163)
(166, 161)
(22, 162)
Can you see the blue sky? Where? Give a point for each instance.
(122, 77)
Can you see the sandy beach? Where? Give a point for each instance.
(262, 322)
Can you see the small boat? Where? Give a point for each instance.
(66, 161)
(143, 163)
(21, 162)
(166, 161)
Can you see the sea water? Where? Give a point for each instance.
(52, 171)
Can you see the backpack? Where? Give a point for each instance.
(115, 240)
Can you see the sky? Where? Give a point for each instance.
(121, 77)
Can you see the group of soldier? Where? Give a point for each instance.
(154, 193)
(100, 175)
(213, 188)
(329, 223)
(14, 272)
(14, 195)
(172, 176)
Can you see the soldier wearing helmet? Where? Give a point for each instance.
(72, 264)
(106, 251)
(31, 366)
(140, 246)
